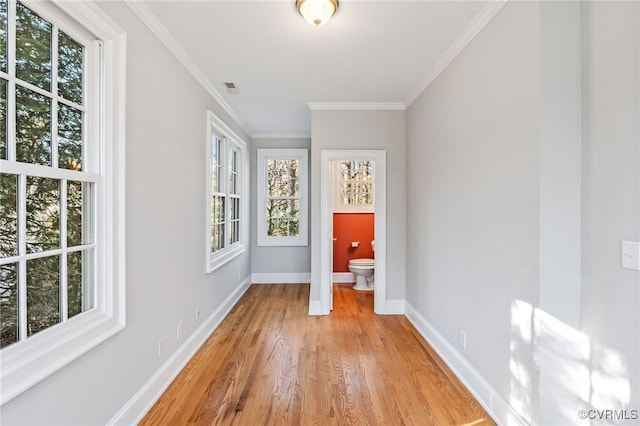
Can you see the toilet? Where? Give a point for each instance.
(363, 271)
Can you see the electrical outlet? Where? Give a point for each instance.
(179, 330)
(630, 255)
(197, 312)
(463, 339)
(161, 347)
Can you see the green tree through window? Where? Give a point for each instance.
(47, 249)
(283, 193)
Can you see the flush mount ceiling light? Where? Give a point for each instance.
(317, 12)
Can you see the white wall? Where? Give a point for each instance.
(364, 130)
(276, 260)
(611, 197)
(493, 167)
(165, 216)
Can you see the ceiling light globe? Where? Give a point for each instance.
(317, 12)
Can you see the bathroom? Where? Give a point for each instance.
(353, 224)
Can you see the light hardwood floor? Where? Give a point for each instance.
(269, 363)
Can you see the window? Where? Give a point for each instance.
(226, 211)
(60, 210)
(282, 197)
(353, 192)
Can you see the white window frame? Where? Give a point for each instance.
(338, 205)
(216, 127)
(25, 363)
(264, 155)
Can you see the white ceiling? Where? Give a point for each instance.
(370, 52)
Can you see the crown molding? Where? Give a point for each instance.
(160, 31)
(470, 32)
(281, 136)
(356, 106)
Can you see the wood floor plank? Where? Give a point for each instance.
(269, 363)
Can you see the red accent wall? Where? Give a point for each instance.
(348, 227)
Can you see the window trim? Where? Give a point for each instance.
(26, 363)
(215, 126)
(263, 155)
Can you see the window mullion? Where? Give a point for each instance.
(22, 251)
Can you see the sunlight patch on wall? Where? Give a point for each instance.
(556, 370)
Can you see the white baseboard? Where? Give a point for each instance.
(343, 277)
(281, 278)
(395, 307)
(135, 409)
(499, 409)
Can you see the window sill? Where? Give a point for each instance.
(26, 363)
(219, 259)
(282, 242)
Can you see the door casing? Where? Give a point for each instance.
(326, 224)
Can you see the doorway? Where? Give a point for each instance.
(326, 225)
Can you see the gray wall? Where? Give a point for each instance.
(276, 260)
(165, 214)
(469, 182)
(472, 144)
(364, 130)
(611, 193)
(491, 172)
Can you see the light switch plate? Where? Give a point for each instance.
(630, 255)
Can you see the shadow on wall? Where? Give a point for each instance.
(348, 228)
(578, 381)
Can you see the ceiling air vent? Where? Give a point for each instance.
(231, 87)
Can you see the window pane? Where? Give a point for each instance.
(79, 271)
(217, 237)
(232, 209)
(78, 213)
(215, 164)
(293, 208)
(3, 119)
(43, 293)
(282, 227)
(234, 183)
(8, 304)
(43, 214)
(70, 68)
(233, 171)
(219, 216)
(8, 215)
(282, 178)
(33, 127)
(294, 227)
(272, 226)
(69, 138)
(3, 35)
(282, 208)
(234, 217)
(357, 182)
(236, 232)
(33, 48)
(273, 208)
(217, 221)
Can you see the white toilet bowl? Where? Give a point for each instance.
(363, 271)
